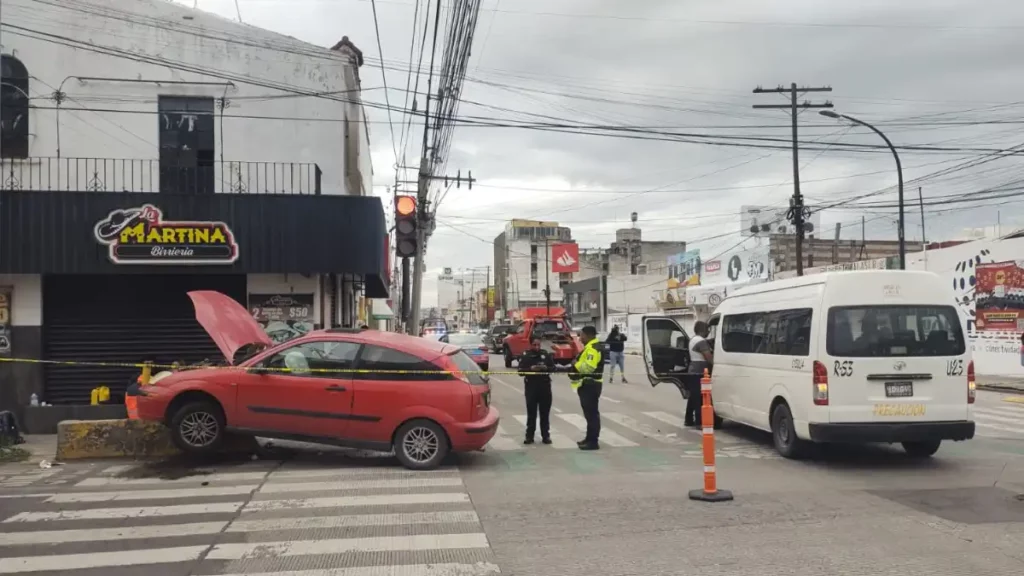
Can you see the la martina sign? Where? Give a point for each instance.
(142, 236)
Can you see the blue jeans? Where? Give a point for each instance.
(617, 359)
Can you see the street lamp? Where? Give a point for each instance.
(899, 174)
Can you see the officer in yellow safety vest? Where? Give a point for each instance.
(586, 377)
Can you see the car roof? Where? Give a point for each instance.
(422, 347)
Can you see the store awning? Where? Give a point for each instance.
(379, 310)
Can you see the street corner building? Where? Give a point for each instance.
(178, 151)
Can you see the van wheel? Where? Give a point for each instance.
(784, 434)
(922, 449)
(198, 427)
(421, 445)
(508, 357)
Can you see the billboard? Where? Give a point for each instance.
(565, 257)
(684, 269)
(764, 221)
(999, 296)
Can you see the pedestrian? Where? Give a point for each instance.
(537, 389)
(586, 376)
(616, 353)
(701, 357)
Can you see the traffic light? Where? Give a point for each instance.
(405, 226)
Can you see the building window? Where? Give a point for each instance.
(641, 269)
(187, 144)
(533, 284)
(533, 250)
(13, 108)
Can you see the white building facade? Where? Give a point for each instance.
(455, 296)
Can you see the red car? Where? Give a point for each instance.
(288, 391)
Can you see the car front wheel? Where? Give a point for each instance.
(784, 433)
(421, 445)
(198, 427)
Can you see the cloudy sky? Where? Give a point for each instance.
(940, 76)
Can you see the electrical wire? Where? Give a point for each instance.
(384, 80)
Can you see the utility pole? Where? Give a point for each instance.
(547, 272)
(487, 296)
(797, 211)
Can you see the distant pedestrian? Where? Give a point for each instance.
(586, 376)
(701, 357)
(616, 353)
(537, 390)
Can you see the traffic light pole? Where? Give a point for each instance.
(417, 276)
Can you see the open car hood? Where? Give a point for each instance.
(229, 324)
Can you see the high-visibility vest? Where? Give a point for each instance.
(586, 363)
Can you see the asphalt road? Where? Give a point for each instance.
(537, 510)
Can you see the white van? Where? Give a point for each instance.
(844, 357)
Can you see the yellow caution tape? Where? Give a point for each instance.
(183, 367)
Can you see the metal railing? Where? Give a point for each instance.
(132, 175)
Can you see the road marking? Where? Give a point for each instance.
(103, 534)
(152, 494)
(1017, 399)
(353, 521)
(291, 474)
(501, 441)
(133, 512)
(558, 441)
(640, 427)
(998, 416)
(269, 550)
(66, 562)
(997, 427)
(478, 569)
(612, 400)
(676, 421)
(607, 436)
(556, 409)
(198, 479)
(359, 485)
(347, 501)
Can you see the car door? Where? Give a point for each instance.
(383, 395)
(295, 392)
(666, 350)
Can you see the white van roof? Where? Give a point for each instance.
(831, 277)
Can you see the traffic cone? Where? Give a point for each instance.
(710, 492)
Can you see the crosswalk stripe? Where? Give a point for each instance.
(349, 501)
(265, 550)
(607, 436)
(101, 534)
(354, 521)
(994, 427)
(557, 440)
(632, 424)
(65, 562)
(1000, 411)
(198, 480)
(478, 569)
(152, 494)
(987, 416)
(670, 419)
(133, 512)
(323, 486)
(501, 441)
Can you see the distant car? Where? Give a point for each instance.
(473, 345)
(496, 336)
(440, 404)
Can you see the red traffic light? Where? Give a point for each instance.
(405, 206)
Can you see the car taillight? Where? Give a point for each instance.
(820, 384)
(972, 387)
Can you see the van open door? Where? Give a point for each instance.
(666, 350)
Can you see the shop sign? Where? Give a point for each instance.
(5, 320)
(142, 236)
(283, 316)
(999, 296)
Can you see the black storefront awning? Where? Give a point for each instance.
(114, 233)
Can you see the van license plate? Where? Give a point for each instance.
(899, 389)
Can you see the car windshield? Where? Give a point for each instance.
(465, 340)
(873, 331)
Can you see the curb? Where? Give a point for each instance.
(1000, 388)
(109, 439)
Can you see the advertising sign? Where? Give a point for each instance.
(999, 296)
(565, 257)
(283, 316)
(142, 236)
(684, 269)
(5, 320)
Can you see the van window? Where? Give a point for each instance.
(777, 333)
(872, 331)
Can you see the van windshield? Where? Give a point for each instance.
(880, 331)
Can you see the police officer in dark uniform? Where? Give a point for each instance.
(537, 388)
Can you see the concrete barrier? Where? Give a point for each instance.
(84, 439)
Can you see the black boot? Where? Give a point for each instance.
(589, 446)
(529, 440)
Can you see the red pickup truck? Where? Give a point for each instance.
(555, 334)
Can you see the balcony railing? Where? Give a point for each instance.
(129, 175)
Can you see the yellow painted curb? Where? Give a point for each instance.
(1016, 399)
(84, 439)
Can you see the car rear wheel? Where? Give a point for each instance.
(922, 449)
(198, 427)
(421, 445)
(784, 433)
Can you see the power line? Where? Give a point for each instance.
(384, 79)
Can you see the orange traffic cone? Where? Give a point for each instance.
(710, 492)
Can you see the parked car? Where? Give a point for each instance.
(307, 389)
(473, 344)
(495, 337)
